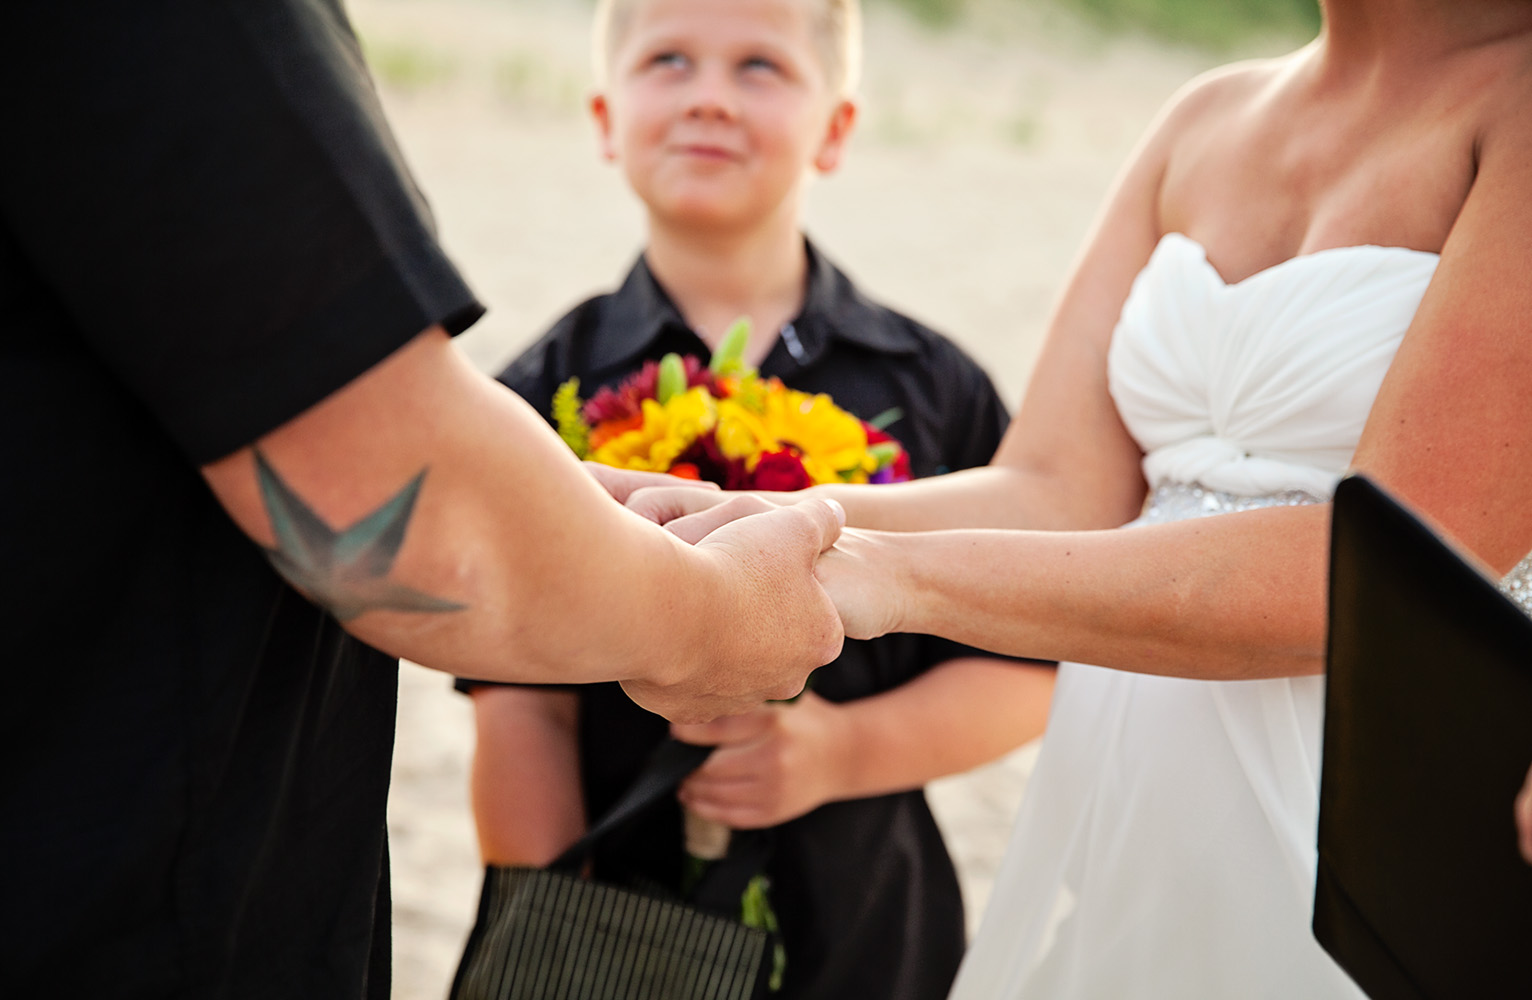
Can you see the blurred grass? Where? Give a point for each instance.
(1216, 25)
(408, 66)
(530, 79)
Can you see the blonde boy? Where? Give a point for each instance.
(717, 111)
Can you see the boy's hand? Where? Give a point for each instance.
(783, 625)
(623, 483)
(773, 763)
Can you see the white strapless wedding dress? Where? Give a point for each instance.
(1165, 848)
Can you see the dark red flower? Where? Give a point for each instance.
(780, 470)
(713, 467)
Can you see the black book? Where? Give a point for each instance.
(1428, 736)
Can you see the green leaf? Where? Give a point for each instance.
(886, 452)
(729, 356)
(672, 380)
(755, 910)
(566, 417)
(888, 416)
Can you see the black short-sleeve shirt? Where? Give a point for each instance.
(864, 891)
(205, 228)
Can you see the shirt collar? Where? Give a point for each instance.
(640, 311)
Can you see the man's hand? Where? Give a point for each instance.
(623, 483)
(783, 624)
(773, 763)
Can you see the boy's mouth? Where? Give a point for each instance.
(707, 151)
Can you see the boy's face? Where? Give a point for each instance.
(716, 108)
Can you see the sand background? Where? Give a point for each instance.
(984, 151)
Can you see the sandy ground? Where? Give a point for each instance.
(983, 155)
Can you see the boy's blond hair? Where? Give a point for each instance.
(837, 29)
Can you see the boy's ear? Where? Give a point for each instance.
(601, 113)
(837, 133)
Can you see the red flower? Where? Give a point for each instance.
(780, 471)
(711, 465)
(626, 400)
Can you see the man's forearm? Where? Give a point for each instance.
(441, 520)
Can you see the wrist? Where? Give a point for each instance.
(692, 593)
(839, 761)
(900, 575)
(857, 752)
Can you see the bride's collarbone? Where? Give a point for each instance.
(1266, 180)
(1252, 213)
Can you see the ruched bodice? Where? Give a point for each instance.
(1262, 385)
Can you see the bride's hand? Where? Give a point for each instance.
(623, 483)
(861, 575)
(692, 515)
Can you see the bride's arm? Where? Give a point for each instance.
(1243, 595)
(1451, 432)
(1237, 597)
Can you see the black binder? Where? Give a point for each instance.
(1421, 892)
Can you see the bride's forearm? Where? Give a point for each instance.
(993, 496)
(1234, 597)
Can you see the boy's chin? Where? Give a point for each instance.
(708, 216)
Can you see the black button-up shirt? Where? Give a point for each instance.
(864, 891)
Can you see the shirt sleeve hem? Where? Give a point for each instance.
(311, 359)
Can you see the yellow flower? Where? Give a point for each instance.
(830, 442)
(742, 432)
(666, 433)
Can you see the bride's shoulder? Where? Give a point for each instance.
(1213, 97)
(1211, 103)
(1503, 78)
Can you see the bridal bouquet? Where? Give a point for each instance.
(723, 423)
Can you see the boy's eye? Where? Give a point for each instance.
(760, 64)
(668, 60)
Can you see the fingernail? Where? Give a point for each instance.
(840, 512)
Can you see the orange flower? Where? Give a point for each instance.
(605, 431)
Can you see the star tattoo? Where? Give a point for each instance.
(344, 571)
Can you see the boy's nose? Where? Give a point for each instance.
(712, 95)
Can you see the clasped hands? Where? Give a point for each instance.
(776, 760)
(697, 512)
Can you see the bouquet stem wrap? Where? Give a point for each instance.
(706, 839)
